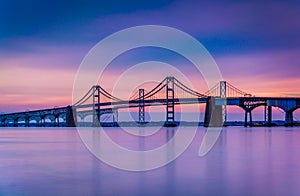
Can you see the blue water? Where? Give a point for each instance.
(244, 161)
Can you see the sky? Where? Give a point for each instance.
(256, 44)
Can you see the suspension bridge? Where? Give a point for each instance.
(98, 102)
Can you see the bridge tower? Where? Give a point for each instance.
(289, 119)
(268, 115)
(96, 105)
(170, 117)
(223, 95)
(115, 116)
(71, 117)
(141, 106)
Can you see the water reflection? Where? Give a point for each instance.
(260, 161)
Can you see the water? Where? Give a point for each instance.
(244, 161)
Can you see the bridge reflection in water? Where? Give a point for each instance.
(170, 92)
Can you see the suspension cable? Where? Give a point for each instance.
(83, 97)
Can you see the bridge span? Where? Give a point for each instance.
(168, 93)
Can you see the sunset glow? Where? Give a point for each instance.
(38, 67)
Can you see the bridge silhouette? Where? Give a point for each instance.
(169, 92)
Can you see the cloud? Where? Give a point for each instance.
(252, 24)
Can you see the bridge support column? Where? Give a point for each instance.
(141, 106)
(170, 109)
(58, 121)
(26, 122)
(37, 123)
(43, 122)
(269, 116)
(15, 122)
(213, 114)
(246, 118)
(71, 120)
(288, 119)
(53, 122)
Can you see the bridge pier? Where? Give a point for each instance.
(289, 119)
(37, 123)
(268, 116)
(71, 120)
(52, 122)
(43, 122)
(15, 122)
(246, 118)
(2, 123)
(57, 121)
(213, 114)
(27, 122)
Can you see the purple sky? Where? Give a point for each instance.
(255, 44)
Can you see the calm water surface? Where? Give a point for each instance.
(244, 161)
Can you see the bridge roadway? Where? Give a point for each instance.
(248, 104)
